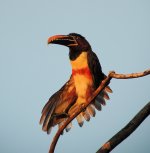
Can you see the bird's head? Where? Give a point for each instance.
(74, 41)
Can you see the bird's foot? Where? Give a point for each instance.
(77, 107)
(82, 107)
(61, 115)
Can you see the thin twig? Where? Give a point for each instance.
(104, 83)
(126, 131)
(130, 76)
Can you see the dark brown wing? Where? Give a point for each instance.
(98, 77)
(57, 104)
(95, 68)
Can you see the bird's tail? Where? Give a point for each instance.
(97, 103)
(90, 111)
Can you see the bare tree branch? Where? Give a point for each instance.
(126, 131)
(104, 83)
(130, 76)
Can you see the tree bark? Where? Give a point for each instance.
(126, 131)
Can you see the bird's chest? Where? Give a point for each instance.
(82, 76)
(83, 85)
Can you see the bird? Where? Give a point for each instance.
(86, 77)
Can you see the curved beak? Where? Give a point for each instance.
(65, 40)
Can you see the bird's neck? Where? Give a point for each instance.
(80, 65)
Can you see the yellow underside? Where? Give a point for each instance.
(82, 82)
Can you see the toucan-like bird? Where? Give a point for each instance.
(86, 76)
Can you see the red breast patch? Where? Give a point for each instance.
(84, 71)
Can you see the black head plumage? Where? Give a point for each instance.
(76, 43)
(83, 46)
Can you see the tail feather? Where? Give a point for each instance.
(101, 100)
(69, 126)
(91, 110)
(108, 89)
(86, 115)
(105, 95)
(80, 120)
(60, 125)
(97, 105)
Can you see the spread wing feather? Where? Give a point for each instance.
(56, 105)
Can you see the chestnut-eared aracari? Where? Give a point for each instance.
(86, 76)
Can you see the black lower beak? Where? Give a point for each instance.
(62, 40)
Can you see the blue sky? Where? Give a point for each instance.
(31, 71)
